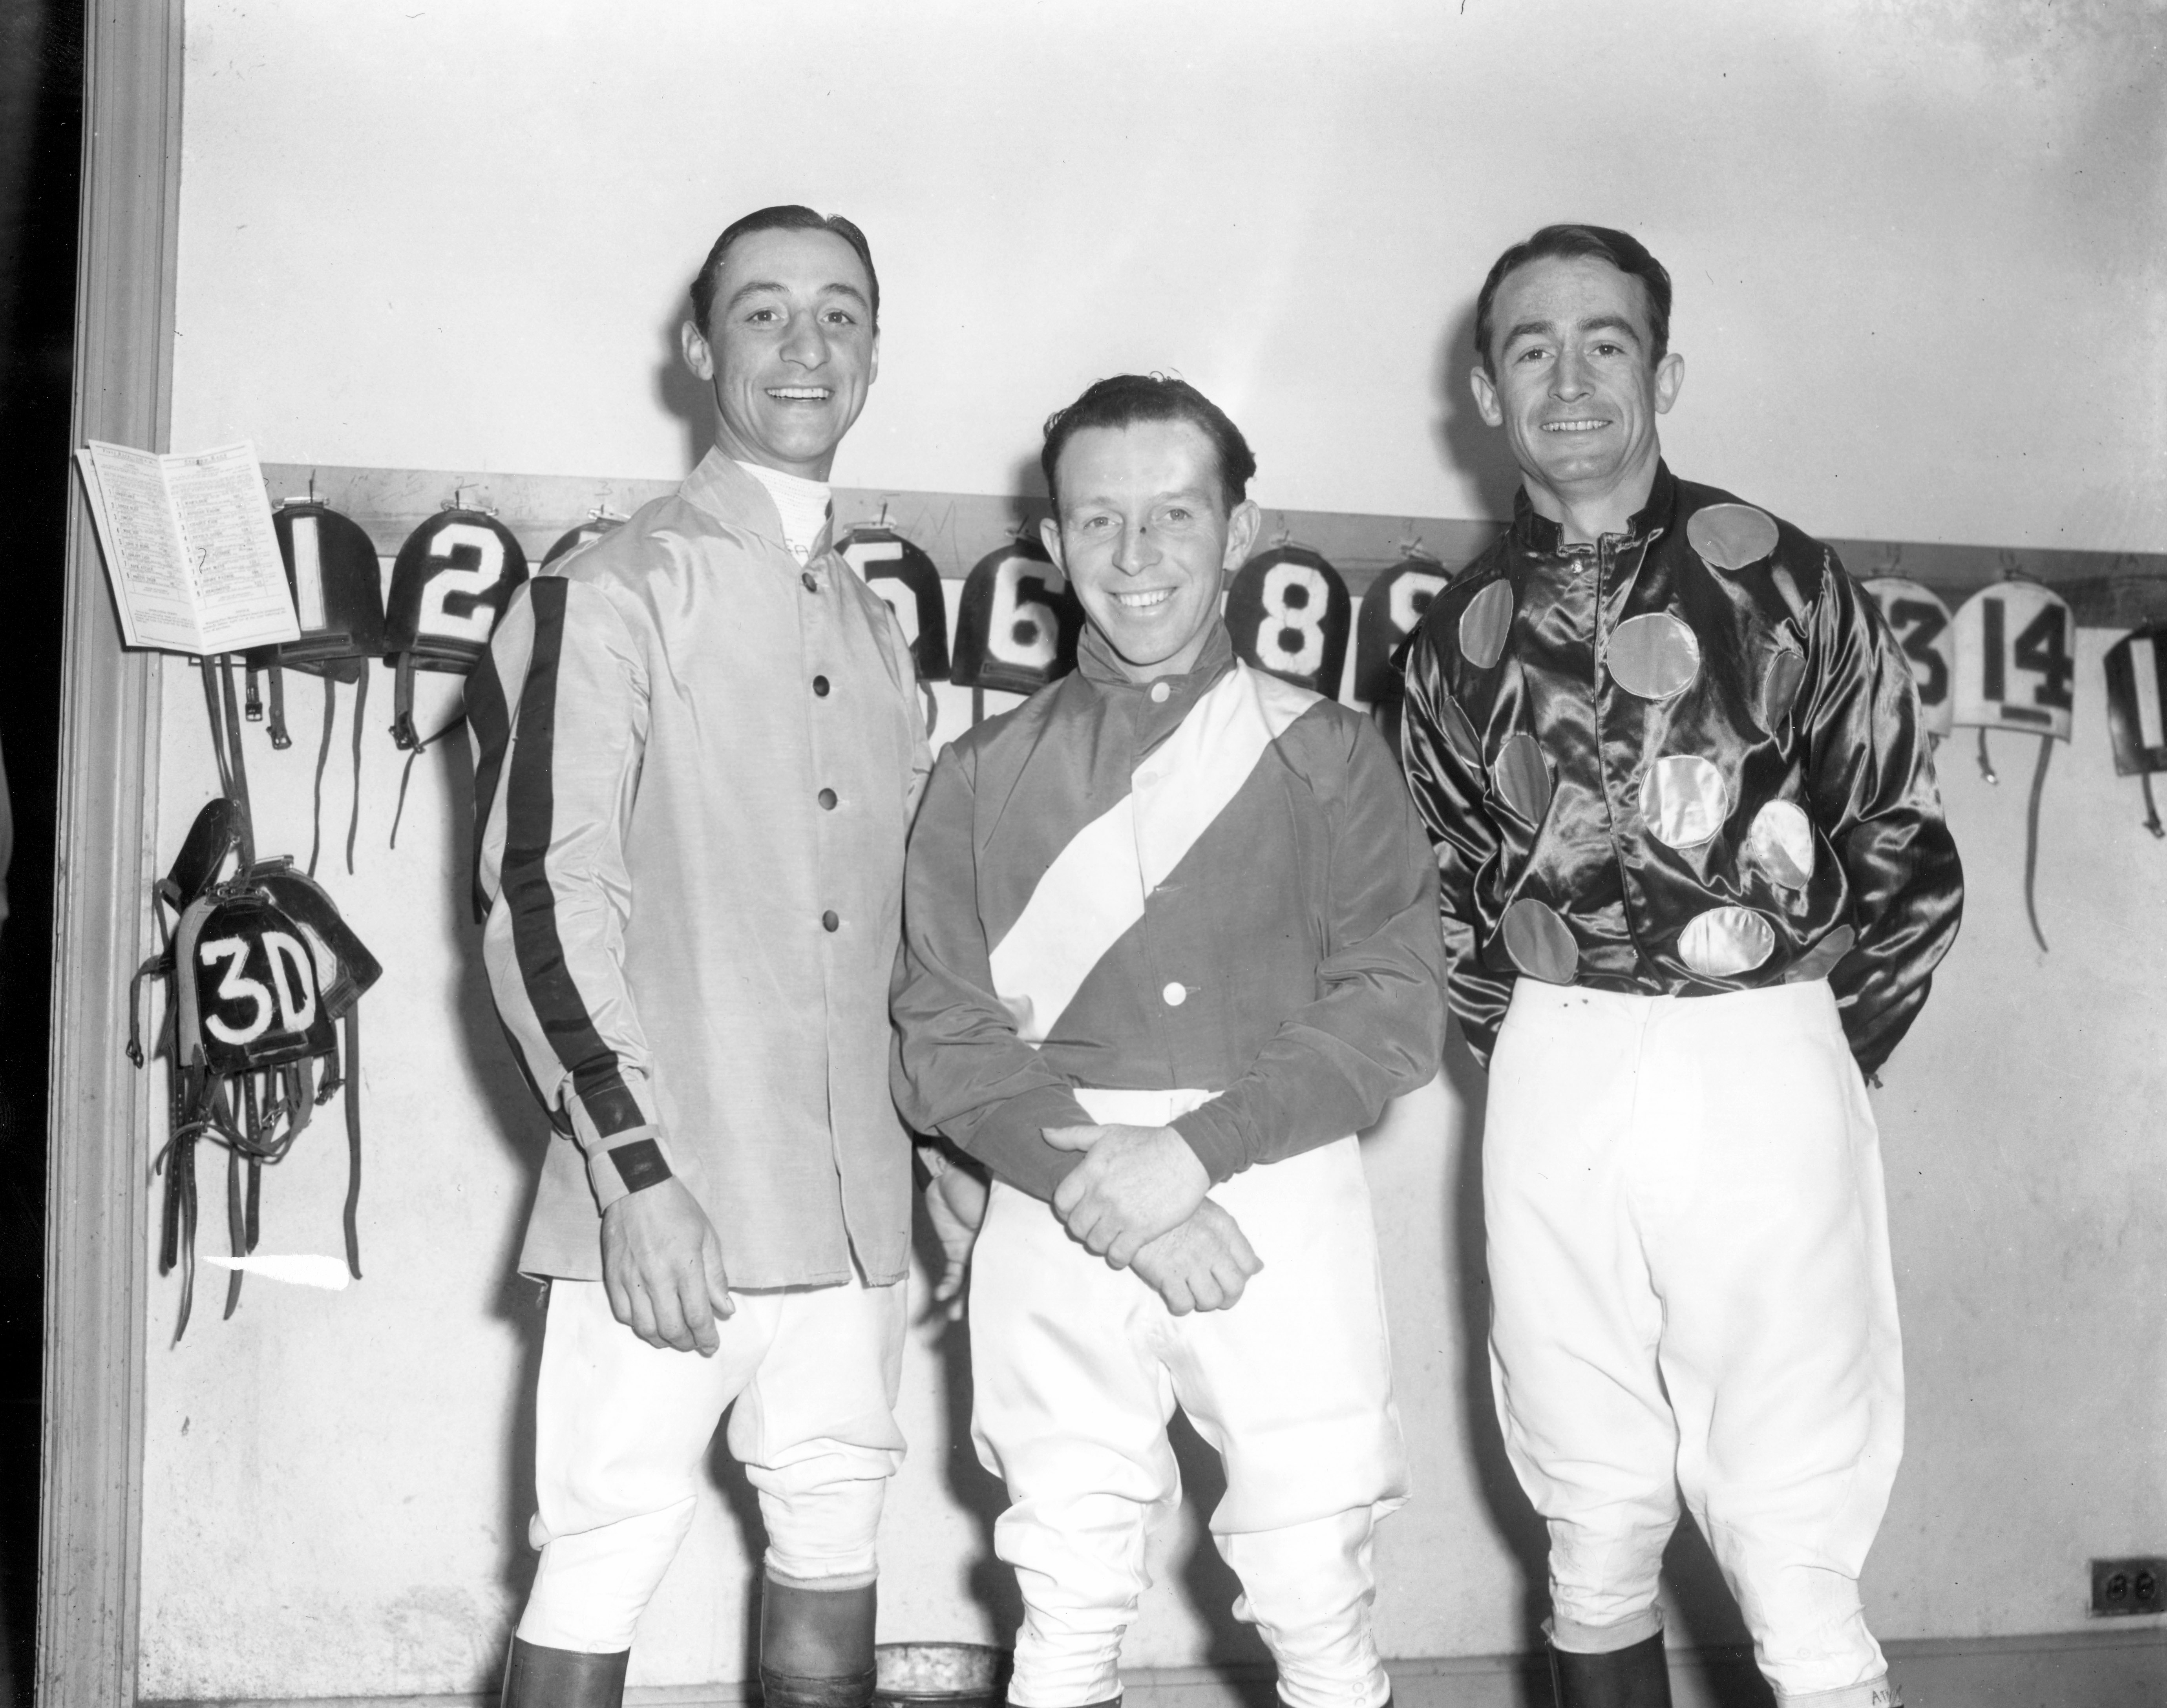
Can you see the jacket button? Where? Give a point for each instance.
(827, 799)
(820, 687)
(828, 922)
(1175, 995)
(811, 581)
(1160, 693)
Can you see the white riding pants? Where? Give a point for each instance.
(621, 1429)
(1689, 1264)
(1078, 1367)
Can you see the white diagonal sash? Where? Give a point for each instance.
(1094, 890)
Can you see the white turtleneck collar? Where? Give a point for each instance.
(801, 503)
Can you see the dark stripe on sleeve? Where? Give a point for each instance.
(529, 806)
(640, 1165)
(491, 722)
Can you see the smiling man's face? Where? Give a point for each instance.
(1145, 537)
(1576, 384)
(788, 350)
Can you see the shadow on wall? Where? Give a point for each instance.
(520, 1126)
(1467, 443)
(968, 1483)
(678, 390)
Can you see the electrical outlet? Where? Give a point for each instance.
(2135, 1584)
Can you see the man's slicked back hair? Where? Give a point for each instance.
(1126, 399)
(787, 217)
(1621, 250)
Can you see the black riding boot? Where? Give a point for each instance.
(816, 1646)
(1629, 1678)
(541, 1677)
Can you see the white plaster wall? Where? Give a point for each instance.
(1918, 257)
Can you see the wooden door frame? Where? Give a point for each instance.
(98, 1175)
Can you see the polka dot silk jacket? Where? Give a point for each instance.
(1688, 759)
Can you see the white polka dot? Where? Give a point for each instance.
(1682, 800)
(1731, 536)
(1725, 941)
(1484, 624)
(1780, 846)
(1521, 778)
(1539, 942)
(1655, 657)
(1175, 995)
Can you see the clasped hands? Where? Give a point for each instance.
(1137, 1199)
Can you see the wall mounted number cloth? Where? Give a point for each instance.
(2015, 669)
(448, 586)
(338, 600)
(910, 582)
(1391, 611)
(587, 533)
(1289, 613)
(2136, 692)
(1920, 621)
(265, 977)
(1017, 622)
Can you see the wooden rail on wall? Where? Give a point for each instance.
(2106, 589)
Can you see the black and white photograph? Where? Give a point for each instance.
(1063, 853)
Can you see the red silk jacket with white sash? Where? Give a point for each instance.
(1213, 881)
(1686, 760)
(695, 764)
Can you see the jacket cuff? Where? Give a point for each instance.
(1216, 1134)
(628, 1162)
(1011, 1140)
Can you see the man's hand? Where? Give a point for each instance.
(1202, 1265)
(956, 1205)
(662, 1265)
(1134, 1184)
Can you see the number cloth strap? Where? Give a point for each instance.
(226, 749)
(2032, 838)
(323, 756)
(349, 1217)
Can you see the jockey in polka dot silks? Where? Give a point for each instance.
(1694, 881)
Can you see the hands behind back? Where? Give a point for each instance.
(956, 1205)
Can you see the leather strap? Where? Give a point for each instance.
(279, 739)
(352, 1025)
(323, 756)
(353, 814)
